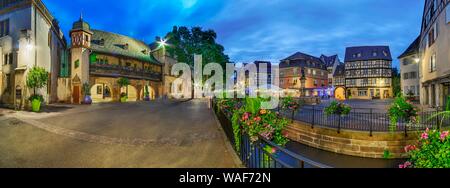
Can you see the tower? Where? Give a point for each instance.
(80, 35)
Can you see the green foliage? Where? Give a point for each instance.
(235, 123)
(387, 154)
(77, 63)
(93, 58)
(402, 109)
(447, 106)
(410, 95)
(37, 78)
(442, 115)
(86, 89)
(248, 117)
(252, 105)
(184, 43)
(337, 108)
(433, 151)
(146, 92)
(36, 97)
(123, 82)
(291, 104)
(260, 122)
(396, 82)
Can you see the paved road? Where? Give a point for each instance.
(154, 134)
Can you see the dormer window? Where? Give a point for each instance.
(374, 54)
(144, 51)
(102, 42)
(125, 46)
(358, 55)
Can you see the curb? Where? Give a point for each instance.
(228, 146)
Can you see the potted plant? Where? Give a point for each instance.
(123, 97)
(146, 94)
(410, 95)
(402, 109)
(87, 93)
(123, 82)
(37, 78)
(337, 108)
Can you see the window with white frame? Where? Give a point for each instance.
(433, 63)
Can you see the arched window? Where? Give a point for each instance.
(107, 92)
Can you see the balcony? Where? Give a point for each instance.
(100, 69)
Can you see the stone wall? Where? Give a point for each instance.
(355, 143)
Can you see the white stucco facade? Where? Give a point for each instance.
(32, 41)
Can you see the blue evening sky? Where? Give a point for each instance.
(258, 29)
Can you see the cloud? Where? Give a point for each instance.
(256, 29)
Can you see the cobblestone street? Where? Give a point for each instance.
(154, 134)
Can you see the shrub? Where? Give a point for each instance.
(254, 121)
(260, 122)
(37, 78)
(123, 82)
(433, 151)
(36, 97)
(86, 89)
(402, 109)
(337, 108)
(291, 104)
(146, 92)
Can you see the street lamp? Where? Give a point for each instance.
(303, 83)
(162, 43)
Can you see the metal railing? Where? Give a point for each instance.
(254, 154)
(366, 120)
(116, 70)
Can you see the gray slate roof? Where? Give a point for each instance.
(301, 60)
(268, 65)
(340, 71)
(115, 44)
(412, 49)
(367, 53)
(328, 60)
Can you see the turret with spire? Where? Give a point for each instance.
(81, 36)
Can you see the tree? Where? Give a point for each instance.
(185, 43)
(37, 78)
(86, 89)
(124, 82)
(396, 85)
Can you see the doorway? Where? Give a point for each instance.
(76, 94)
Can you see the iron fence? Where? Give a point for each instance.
(366, 120)
(255, 154)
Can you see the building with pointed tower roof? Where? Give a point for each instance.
(332, 63)
(101, 58)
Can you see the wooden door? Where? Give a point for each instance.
(76, 94)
